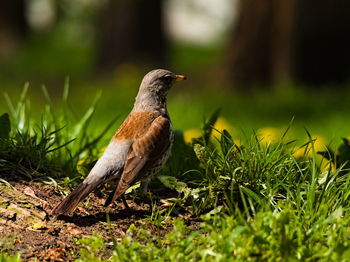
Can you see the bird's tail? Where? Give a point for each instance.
(72, 200)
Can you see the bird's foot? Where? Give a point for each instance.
(126, 206)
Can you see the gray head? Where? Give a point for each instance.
(154, 89)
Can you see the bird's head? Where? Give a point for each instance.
(155, 86)
(159, 81)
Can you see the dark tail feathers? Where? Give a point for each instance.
(72, 200)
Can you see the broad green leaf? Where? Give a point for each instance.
(172, 183)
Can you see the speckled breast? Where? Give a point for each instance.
(161, 161)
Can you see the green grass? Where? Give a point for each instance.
(5, 249)
(256, 201)
(48, 149)
(268, 237)
(321, 111)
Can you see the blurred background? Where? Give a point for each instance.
(263, 62)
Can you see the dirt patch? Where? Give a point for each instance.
(26, 222)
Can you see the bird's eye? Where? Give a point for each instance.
(168, 79)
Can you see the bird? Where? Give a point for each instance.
(139, 148)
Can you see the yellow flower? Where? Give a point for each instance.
(327, 165)
(220, 125)
(191, 133)
(319, 145)
(238, 142)
(300, 152)
(268, 135)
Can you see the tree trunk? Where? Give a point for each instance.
(282, 49)
(131, 32)
(13, 26)
(249, 52)
(323, 41)
(298, 40)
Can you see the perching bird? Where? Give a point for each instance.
(139, 148)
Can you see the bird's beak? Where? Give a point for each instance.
(179, 78)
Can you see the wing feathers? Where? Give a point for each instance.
(142, 155)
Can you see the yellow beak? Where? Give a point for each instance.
(179, 78)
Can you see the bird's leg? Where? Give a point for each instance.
(144, 194)
(144, 187)
(126, 206)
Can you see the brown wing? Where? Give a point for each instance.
(142, 155)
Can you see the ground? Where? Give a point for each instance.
(26, 222)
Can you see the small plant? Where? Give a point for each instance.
(59, 147)
(5, 248)
(92, 248)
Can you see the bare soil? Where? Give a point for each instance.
(31, 230)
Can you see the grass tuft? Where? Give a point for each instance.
(59, 147)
